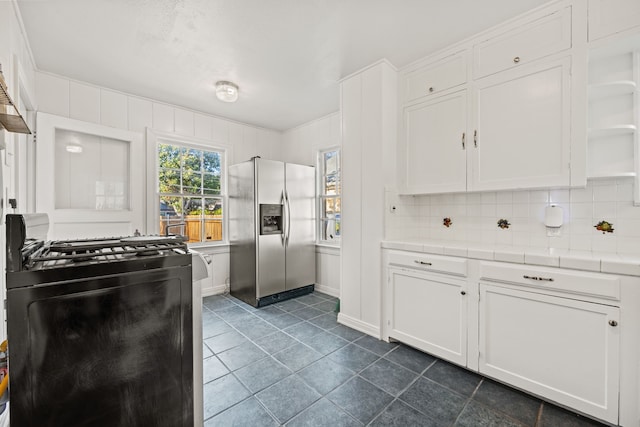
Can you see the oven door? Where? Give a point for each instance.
(108, 351)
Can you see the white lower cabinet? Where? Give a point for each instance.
(429, 311)
(570, 337)
(562, 349)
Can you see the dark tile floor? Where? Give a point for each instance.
(292, 364)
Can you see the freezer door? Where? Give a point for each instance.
(300, 225)
(271, 252)
(242, 231)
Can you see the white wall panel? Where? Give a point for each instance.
(249, 142)
(351, 110)
(52, 94)
(235, 139)
(203, 126)
(84, 102)
(113, 109)
(220, 130)
(184, 122)
(372, 193)
(140, 114)
(368, 125)
(163, 117)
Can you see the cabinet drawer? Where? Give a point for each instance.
(427, 262)
(444, 74)
(545, 36)
(552, 279)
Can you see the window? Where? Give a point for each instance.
(91, 171)
(191, 192)
(329, 195)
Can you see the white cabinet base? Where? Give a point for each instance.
(429, 313)
(562, 349)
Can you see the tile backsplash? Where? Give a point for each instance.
(474, 217)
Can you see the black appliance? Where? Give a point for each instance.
(100, 330)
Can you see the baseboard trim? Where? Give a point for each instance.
(327, 290)
(359, 325)
(220, 289)
(214, 290)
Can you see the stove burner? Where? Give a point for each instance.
(94, 251)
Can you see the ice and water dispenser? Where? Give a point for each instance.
(270, 219)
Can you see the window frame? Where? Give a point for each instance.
(154, 140)
(321, 196)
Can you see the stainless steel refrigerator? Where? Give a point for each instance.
(271, 230)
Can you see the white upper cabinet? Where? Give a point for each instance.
(521, 136)
(608, 17)
(433, 78)
(527, 43)
(521, 125)
(436, 141)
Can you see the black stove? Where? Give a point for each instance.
(40, 261)
(100, 330)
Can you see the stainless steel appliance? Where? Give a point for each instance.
(100, 330)
(272, 230)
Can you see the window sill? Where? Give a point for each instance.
(219, 247)
(328, 248)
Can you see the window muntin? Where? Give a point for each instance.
(329, 195)
(191, 192)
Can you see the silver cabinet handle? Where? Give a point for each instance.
(463, 140)
(475, 138)
(422, 262)
(516, 59)
(543, 279)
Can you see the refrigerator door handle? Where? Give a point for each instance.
(288, 201)
(283, 201)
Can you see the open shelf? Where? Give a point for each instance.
(607, 89)
(611, 131)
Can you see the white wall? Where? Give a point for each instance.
(301, 145)
(369, 123)
(475, 216)
(18, 71)
(81, 101)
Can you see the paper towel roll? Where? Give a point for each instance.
(553, 216)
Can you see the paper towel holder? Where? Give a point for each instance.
(553, 219)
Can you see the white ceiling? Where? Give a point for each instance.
(286, 55)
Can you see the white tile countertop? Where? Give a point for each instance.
(578, 260)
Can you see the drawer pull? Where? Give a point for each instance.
(516, 59)
(463, 293)
(463, 140)
(431, 89)
(613, 323)
(422, 262)
(542, 279)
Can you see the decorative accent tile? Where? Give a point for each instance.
(604, 226)
(503, 223)
(447, 222)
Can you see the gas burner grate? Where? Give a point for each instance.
(59, 253)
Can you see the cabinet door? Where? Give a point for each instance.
(559, 348)
(429, 312)
(608, 17)
(435, 142)
(522, 128)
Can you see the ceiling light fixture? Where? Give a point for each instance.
(227, 91)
